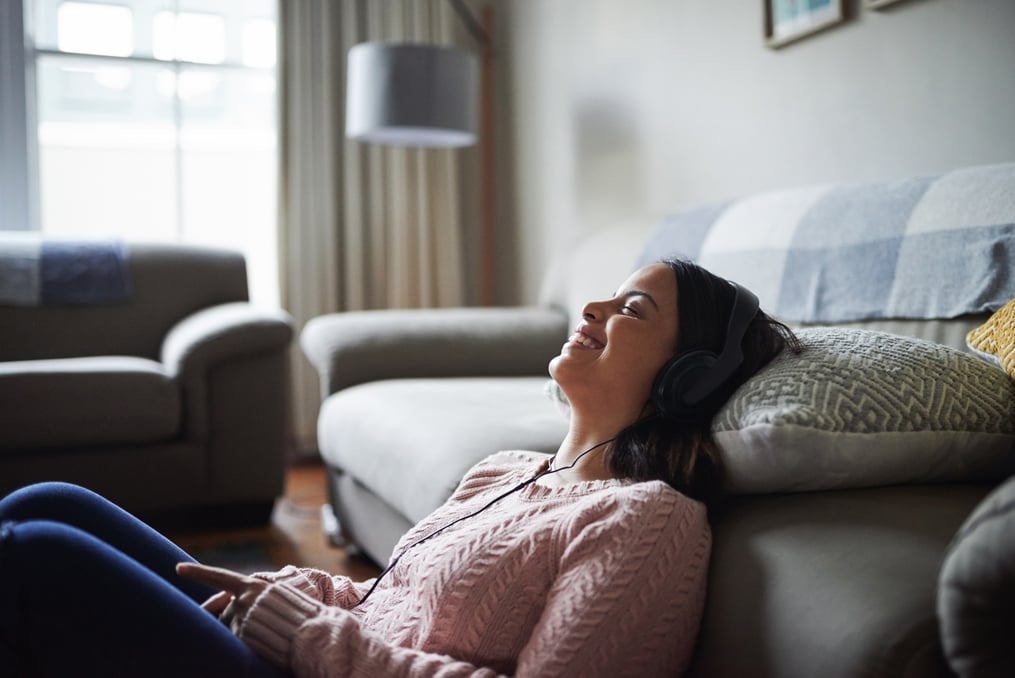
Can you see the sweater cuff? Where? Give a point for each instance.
(275, 576)
(274, 619)
(296, 577)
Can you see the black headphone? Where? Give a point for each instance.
(686, 380)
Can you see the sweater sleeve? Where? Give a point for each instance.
(627, 600)
(294, 631)
(329, 589)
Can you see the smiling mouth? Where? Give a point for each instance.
(586, 341)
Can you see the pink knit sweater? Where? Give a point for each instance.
(601, 578)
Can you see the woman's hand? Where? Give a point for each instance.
(238, 594)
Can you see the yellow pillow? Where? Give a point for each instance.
(995, 339)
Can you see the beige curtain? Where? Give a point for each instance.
(361, 226)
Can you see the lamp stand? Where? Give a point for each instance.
(487, 144)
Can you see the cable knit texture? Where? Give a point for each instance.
(600, 578)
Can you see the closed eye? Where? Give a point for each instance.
(635, 296)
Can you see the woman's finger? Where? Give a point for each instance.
(217, 603)
(233, 615)
(218, 577)
(239, 592)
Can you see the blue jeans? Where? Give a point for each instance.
(88, 589)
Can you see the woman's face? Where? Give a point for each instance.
(611, 361)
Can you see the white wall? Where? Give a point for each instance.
(629, 109)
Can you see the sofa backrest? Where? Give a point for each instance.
(928, 257)
(165, 283)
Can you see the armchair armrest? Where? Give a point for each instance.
(357, 347)
(215, 335)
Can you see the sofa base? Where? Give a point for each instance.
(364, 518)
(835, 583)
(168, 484)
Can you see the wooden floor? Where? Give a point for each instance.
(295, 536)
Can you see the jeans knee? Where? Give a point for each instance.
(41, 499)
(50, 488)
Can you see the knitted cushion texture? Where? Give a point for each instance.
(994, 340)
(859, 408)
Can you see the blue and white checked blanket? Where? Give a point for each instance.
(925, 247)
(39, 272)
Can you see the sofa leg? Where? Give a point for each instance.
(332, 528)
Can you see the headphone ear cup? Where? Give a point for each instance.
(674, 380)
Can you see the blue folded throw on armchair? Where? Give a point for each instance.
(37, 272)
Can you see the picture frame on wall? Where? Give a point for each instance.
(787, 21)
(878, 4)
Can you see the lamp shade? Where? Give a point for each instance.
(411, 95)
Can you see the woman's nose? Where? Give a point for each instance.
(593, 311)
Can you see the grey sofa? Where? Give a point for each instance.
(851, 467)
(143, 372)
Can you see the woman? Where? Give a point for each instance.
(590, 563)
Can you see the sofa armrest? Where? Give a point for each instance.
(357, 347)
(213, 336)
(976, 589)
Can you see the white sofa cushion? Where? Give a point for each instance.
(411, 440)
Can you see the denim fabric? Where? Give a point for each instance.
(87, 589)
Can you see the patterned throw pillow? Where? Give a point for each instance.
(859, 408)
(994, 340)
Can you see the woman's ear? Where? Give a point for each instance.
(555, 393)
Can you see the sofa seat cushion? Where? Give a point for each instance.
(411, 440)
(84, 402)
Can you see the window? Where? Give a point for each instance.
(93, 28)
(155, 120)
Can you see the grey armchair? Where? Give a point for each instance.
(170, 401)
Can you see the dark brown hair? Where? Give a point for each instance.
(683, 452)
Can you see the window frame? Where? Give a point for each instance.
(20, 199)
(19, 190)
